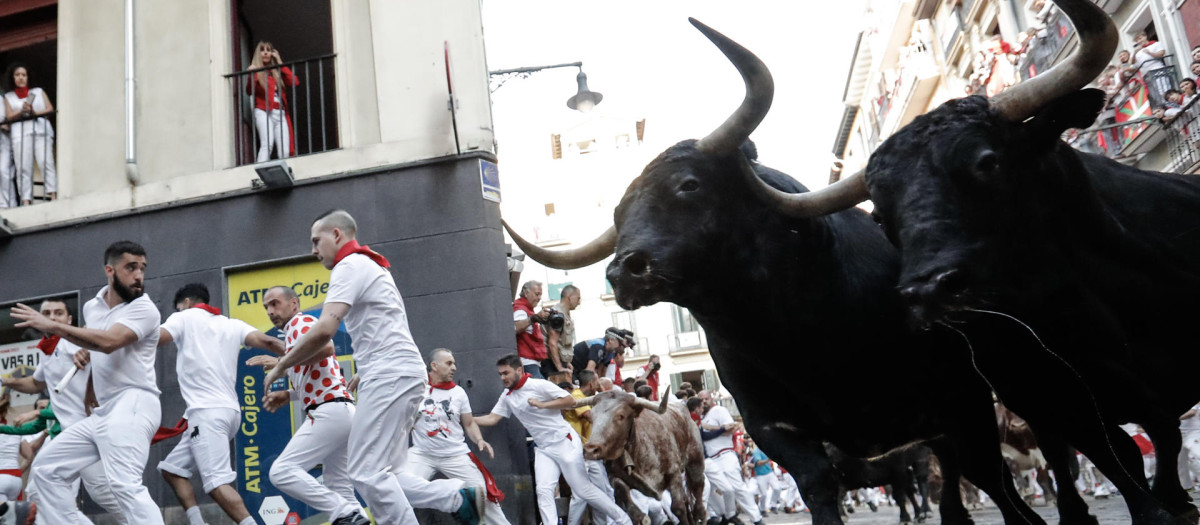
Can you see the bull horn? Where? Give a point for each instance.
(590, 253)
(585, 402)
(838, 196)
(760, 89)
(1097, 43)
(660, 407)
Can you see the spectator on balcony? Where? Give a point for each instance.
(1148, 53)
(32, 135)
(1187, 87)
(1126, 69)
(271, 110)
(1171, 107)
(1195, 69)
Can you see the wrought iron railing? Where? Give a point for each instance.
(28, 173)
(1183, 138)
(1045, 49)
(1111, 139)
(306, 122)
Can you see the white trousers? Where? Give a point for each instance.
(386, 414)
(117, 435)
(1189, 459)
(566, 457)
(26, 148)
(767, 487)
(320, 440)
(458, 467)
(725, 474)
(714, 504)
(273, 134)
(97, 488)
(10, 487)
(205, 447)
(658, 511)
(599, 477)
(789, 493)
(8, 189)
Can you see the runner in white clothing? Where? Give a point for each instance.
(538, 405)
(391, 372)
(324, 433)
(10, 460)
(123, 332)
(721, 465)
(57, 361)
(209, 344)
(439, 439)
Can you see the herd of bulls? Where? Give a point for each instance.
(997, 260)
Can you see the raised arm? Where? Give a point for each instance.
(310, 345)
(264, 341)
(106, 341)
(24, 385)
(489, 420)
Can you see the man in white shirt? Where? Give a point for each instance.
(324, 433)
(1189, 453)
(721, 465)
(122, 332)
(209, 344)
(58, 361)
(439, 439)
(538, 405)
(391, 377)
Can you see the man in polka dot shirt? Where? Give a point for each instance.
(325, 431)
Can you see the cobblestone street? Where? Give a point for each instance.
(1110, 511)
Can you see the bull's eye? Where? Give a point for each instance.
(987, 162)
(690, 185)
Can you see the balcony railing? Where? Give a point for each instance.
(1183, 139)
(28, 173)
(1110, 140)
(685, 341)
(1046, 47)
(306, 122)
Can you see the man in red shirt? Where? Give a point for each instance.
(531, 345)
(649, 372)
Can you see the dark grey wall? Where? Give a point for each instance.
(430, 221)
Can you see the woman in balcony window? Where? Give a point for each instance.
(32, 135)
(271, 111)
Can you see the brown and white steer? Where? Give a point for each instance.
(1020, 450)
(650, 446)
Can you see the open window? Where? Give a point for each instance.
(299, 115)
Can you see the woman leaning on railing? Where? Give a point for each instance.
(32, 137)
(271, 110)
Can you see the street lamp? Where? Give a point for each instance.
(583, 101)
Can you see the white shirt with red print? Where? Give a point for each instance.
(313, 384)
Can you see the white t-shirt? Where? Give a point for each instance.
(68, 404)
(318, 383)
(378, 326)
(717, 416)
(439, 430)
(29, 127)
(209, 346)
(10, 452)
(546, 426)
(1145, 61)
(131, 366)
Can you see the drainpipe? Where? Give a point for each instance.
(131, 170)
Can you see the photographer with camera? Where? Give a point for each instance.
(531, 346)
(560, 336)
(597, 354)
(649, 372)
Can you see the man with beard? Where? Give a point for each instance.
(538, 405)
(439, 438)
(392, 377)
(122, 331)
(322, 437)
(209, 344)
(59, 360)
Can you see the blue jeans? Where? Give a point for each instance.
(534, 371)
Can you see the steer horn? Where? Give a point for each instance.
(590, 253)
(585, 402)
(760, 89)
(660, 407)
(1097, 43)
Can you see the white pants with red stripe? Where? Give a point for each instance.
(386, 414)
(320, 440)
(566, 457)
(458, 467)
(725, 474)
(117, 436)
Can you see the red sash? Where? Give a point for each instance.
(494, 494)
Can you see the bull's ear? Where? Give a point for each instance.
(1073, 110)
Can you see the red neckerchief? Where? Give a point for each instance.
(441, 386)
(22, 92)
(520, 383)
(207, 308)
(354, 247)
(169, 432)
(48, 344)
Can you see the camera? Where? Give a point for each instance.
(554, 321)
(654, 367)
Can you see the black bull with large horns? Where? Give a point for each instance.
(1064, 269)
(803, 318)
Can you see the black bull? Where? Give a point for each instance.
(1065, 270)
(804, 322)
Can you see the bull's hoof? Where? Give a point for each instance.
(1189, 516)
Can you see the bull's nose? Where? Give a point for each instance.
(636, 263)
(590, 450)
